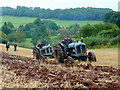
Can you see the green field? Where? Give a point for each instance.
(23, 20)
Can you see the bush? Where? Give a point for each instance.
(90, 30)
(115, 40)
(4, 41)
(109, 33)
(96, 40)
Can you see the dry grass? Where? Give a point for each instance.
(20, 51)
(105, 57)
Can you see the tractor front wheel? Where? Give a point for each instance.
(91, 57)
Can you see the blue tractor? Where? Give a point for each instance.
(77, 51)
(45, 51)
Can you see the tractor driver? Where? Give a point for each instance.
(40, 45)
(67, 41)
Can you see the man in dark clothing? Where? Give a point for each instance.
(40, 45)
(7, 46)
(67, 41)
(15, 47)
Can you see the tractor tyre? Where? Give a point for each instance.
(37, 56)
(61, 57)
(59, 54)
(91, 57)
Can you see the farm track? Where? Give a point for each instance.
(52, 74)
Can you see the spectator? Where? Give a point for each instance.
(7, 46)
(15, 47)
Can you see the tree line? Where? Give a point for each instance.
(88, 13)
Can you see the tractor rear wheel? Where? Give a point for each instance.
(91, 56)
(59, 54)
(37, 56)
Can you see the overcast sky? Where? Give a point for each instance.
(62, 4)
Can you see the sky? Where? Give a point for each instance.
(61, 4)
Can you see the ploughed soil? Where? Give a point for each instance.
(25, 72)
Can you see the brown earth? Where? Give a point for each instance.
(24, 72)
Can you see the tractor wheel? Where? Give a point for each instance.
(91, 56)
(61, 56)
(58, 54)
(37, 56)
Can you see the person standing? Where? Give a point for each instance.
(7, 46)
(15, 47)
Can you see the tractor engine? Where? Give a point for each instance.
(77, 50)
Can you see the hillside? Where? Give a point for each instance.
(24, 20)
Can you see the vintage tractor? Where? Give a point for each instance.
(46, 51)
(77, 51)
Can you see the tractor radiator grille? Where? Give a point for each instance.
(78, 49)
(83, 49)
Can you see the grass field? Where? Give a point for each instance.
(23, 20)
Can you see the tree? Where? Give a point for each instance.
(50, 25)
(87, 30)
(40, 34)
(3, 37)
(20, 35)
(6, 29)
(10, 25)
(38, 22)
(113, 17)
(13, 37)
(63, 32)
(29, 29)
(53, 26)
(74, 29)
